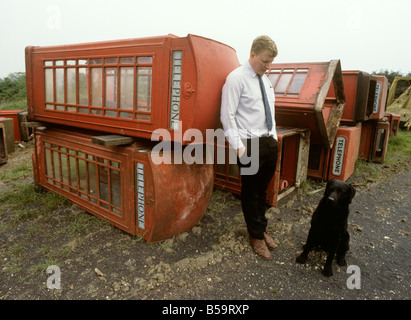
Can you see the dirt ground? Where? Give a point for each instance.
(213, 260)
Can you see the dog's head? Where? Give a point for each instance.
(338, 193)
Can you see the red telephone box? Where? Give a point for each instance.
(309, 95)
(380, 99)
(291, 171)
(130, 87)
(394, 120)
(374, 140)
(360, 93)
(127, 186)
(344, 153)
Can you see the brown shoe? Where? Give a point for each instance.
(260, 248)
(269, 241)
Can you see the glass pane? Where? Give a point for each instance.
(73, 171)
(48, 63)
(49, 171)
(96, 87)
(96, 61)
(64, 169)
(92, 179)
(144, 60)
(71, 85)
(126, 115)
(82, 175)
(127, 60)
(49, 85)
(110, 60)
(83, 86)
(71, 62)
(111, 88)
(126, 88)
(56, 165)
(283, 82)
(144, 89)
(60, 85)
(115, 188)
(59, 63)
(273, 78)
(103, 179)
(297, 82)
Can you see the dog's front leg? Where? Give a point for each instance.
(328, 267)
(302, 258)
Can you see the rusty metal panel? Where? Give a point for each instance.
(130, 87)
(122, 184)
(309, 95)
(6, 138)
(379, 147)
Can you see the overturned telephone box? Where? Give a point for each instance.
(394, 120)
(130, 87)
(374, 140)
(134, 188)
(360, 94)
(344, 153)
(380, 98)
(291, 170)
(309, 95)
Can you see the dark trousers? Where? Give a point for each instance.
(254, 187)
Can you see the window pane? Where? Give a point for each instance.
(297, 82)
(96, 87)
(96, 61)
(83, 86)
(48, 78)
(110, 60)
(144, 60)
(126, 88)
(273, 78)
(283, 82)
(127, 60)
(71, 85)
(144, 89)
(111, 88)
(115, 188)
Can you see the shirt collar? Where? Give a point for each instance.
(250, 69)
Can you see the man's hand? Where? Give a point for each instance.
(240, 152)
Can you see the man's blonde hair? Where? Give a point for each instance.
(263, 43)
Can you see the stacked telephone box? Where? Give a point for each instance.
(100, 110)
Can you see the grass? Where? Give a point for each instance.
(13, 105)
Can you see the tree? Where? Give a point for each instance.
(13, 87)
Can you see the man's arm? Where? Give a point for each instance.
(229, 104)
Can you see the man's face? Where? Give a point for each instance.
(261, 62)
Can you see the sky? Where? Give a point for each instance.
(366, 35)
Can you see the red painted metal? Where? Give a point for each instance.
(379, 147)
(123, 185)
(394, 120)
(318, 162)
(344, 153)
(367, 139)
(130, 87)
(380, 99)
(309, 95)
(360, 88)
(291, 170)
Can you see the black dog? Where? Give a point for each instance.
(329, 225)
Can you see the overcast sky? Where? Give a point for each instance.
(366, 35)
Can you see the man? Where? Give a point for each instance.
(247, 116)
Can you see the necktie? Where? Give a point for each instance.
(266, 105)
